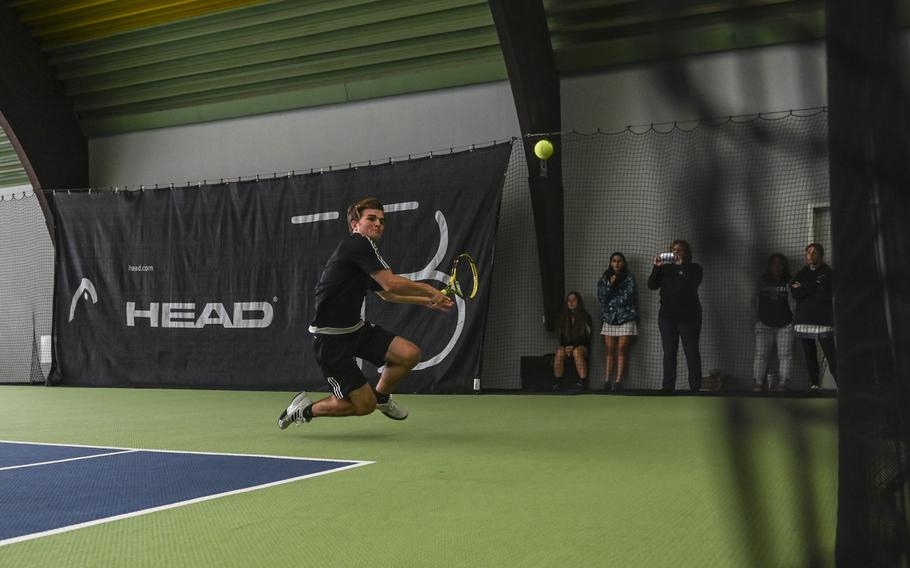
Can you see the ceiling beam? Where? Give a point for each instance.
(36, 115)
(525, 41)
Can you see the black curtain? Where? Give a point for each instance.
(213, 286)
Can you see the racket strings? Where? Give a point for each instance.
(459, 281)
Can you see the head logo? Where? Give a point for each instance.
(184, 314)
(87, 290)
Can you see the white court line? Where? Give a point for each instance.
(360, 462)
(174, 505)
(67, 460)
(351, 465)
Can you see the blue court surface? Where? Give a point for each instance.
(48, 488)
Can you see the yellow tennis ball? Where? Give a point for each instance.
(543, 149)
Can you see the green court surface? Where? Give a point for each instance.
(469, 480)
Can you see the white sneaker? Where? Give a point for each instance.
(393, 410)
(294, 412)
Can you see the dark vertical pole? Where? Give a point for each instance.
(37, 116)
(525, 41)
(870, 208)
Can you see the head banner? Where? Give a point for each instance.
(213, 286)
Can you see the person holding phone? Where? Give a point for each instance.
(679, 318)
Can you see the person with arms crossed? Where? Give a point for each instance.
(340, 334)
(814, 321)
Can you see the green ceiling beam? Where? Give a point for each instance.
(187, 60)
(273, 56)
(292, 74)
(11, 171)
(11, 181)
(608, 15)
(704, 39)
(237, 28)
(445, 71)
(599, 25)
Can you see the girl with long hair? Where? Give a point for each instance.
(574, 330)
(618, 293)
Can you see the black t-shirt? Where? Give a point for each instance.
(345, 280)
(773, 303)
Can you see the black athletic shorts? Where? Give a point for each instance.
(335, 355)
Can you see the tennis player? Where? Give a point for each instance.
(340, 334)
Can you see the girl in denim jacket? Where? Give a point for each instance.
(618, 293)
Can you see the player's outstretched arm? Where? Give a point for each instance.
(403, 291)
(445, 305)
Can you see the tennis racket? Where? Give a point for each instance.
(463, 278)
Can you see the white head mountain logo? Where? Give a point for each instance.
(86, 290)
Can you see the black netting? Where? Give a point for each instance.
(738, 190)
(515, 320)
(26, 290)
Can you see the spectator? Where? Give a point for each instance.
(678, 278)
(774, 326)
(574, 329)
(812, 288)
(618, 293)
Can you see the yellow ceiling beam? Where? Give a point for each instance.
(62, 23)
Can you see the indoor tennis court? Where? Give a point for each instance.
(639, 288)
(481, 480)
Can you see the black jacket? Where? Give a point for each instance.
(678, 284)
(814, 297)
